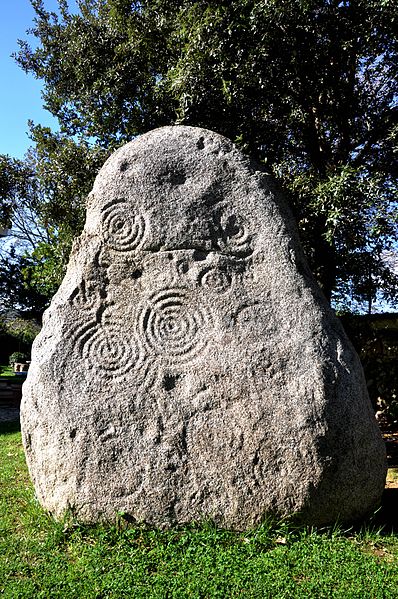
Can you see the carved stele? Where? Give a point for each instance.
(189, 367)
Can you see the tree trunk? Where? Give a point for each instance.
(323, 260)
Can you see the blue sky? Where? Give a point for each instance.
(20, 94)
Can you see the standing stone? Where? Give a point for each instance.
(189, 367)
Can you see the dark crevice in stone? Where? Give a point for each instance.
(232, 227)
(212, 198)
(100, 312)
(170, 381)
(171, 467)
(182, 267)
(136, 274)
(239, 255)
(128, 518)
(256, 458)
(74, 294)
(184, 439)
(199, 255)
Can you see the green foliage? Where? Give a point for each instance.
(16, 181)
(360, 215)
(65, 171)
(310, 87)
(24, 330)
(17, 357)
(16, 334)
(46, 217)
(43, 558)
(376, 341)
(307, 86)
(17, 288)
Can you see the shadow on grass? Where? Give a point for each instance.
(387, 516)
(12, 426)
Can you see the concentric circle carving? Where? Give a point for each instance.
(215, 280)
(107, 349)
(122, 230)
(237, 238)
(172, 326)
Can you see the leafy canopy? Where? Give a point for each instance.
(43, 200)
(307, 86)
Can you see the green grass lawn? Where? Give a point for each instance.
(43, 559)
(7, 371)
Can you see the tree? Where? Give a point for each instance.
(43, 201)
(16, 181)
(18, 209)
(16, 289)
(307, 86)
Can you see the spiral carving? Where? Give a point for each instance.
(122, 230)
(170, 325)
(215, 280)
(107, 349)
(237, 239)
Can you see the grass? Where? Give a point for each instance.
(7, 372)
(43, 559)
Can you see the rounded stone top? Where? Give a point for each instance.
(183, 187)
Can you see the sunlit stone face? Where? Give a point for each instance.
(189, 367)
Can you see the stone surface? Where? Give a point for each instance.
(189, 367)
